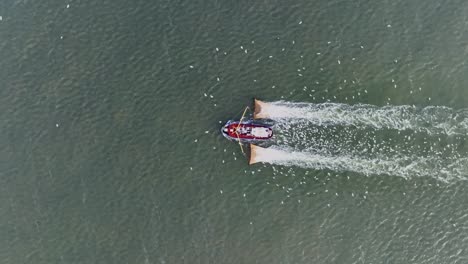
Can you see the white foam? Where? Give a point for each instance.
(404, 166)
(366, 139)
(432, 119)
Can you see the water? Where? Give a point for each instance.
(367, 139)
(432, 120)
(111, 152)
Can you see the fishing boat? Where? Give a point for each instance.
(249, 131)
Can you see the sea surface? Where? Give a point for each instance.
(110, 144)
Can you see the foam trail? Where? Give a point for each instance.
(432, 119)
(404, 166)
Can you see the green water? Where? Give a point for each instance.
(110, 150)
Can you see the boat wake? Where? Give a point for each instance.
(432, 119)
(394, 140)
(403, 166)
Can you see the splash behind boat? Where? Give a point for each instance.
(247, 131)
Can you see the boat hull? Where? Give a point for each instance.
(247, 131)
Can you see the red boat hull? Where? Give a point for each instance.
(247, 131)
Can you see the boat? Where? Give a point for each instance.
(247, 131)
(254, 130)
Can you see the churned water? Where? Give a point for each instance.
(391, 140)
